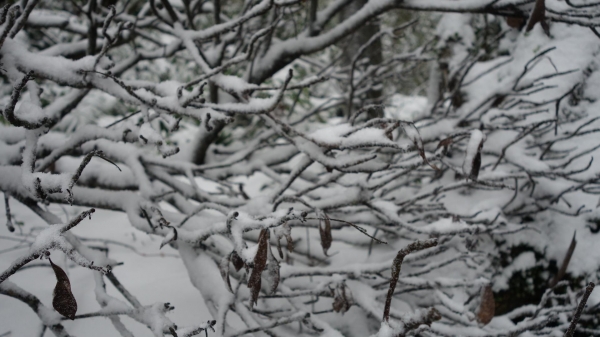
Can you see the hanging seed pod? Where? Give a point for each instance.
(63, 300)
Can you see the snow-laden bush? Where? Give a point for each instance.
(211, 126)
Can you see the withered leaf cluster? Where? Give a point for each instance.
(263, 260)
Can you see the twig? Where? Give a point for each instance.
(397, 265)
(360, 229)
(122, 119)
(9, 223)
(588, 290)
(17, 264)
(563, 267)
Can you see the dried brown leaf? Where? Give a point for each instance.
(279, 250)
(290, 244)
(237, 261)
(475, 166)
(471, 170)
(487, 307)
(445, 142)
(260, 262)
(325, 232)
(273, 271)
(255, 291)
(538, 15)
(63, 300)
(515, 22)
(342, 300)
(274, 275)
(224, 269)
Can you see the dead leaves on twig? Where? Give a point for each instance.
(63, 300)
(263, 260)
(413, 134)
(487, 306)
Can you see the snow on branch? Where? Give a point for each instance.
(223, 132)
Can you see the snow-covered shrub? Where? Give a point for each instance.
(297, 207)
